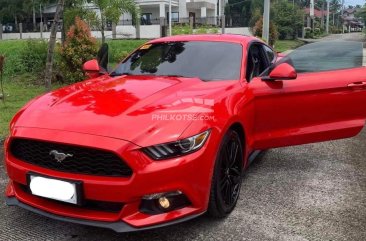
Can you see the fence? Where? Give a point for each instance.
(149, 28)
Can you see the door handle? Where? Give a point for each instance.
(360, 84)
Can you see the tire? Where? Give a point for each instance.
(226, 179)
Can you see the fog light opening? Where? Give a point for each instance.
(164, 202)
(158, 203)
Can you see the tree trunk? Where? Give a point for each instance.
(63, 30)
(102, 26)
(34, 18)
(16, 21)
(51, 44)
(103, 37)
(322, 18)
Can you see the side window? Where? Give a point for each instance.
(270, 54)
(326, 56)
(257, 61)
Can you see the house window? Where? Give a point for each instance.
(146, 18)
(175, 17)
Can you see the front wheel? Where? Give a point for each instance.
(226, 180)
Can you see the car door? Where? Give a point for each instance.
(326, 101)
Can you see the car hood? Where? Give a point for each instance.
(132, 108)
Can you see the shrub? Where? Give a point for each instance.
(213, 30)
(33, 56)
(256, 15)
(12, 50)
(203, 29)
(317, 31)
(335, 30)
(273, 34)
(179, 29)
(308, 33)
(78, 48)
(288, 17)
(285, 32)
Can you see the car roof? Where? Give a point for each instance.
(235, 38)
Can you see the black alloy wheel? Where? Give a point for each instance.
(226, 181)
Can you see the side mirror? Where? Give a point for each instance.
(282, 71)
(91, 68)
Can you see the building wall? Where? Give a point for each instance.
(151, 9)
(150, 31)
(46, 35)
(155, 10)
(125, 31)
(242, 31)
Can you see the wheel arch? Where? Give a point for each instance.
(239, 128)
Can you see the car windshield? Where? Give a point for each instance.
(204, 60)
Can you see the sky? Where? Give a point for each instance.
(354, 2)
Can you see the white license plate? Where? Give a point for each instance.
(55, 189)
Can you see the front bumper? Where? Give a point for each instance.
(120, 226)
(148, 177)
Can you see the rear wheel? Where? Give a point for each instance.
(226, 180)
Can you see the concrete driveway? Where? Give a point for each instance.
(308, 192)
(358, 36)
(346, 37)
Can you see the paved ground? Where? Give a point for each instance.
(309, 192)
(360, 37)
(347, 36)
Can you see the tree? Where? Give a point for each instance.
(273, 34)
(12, 9)
(239, 11)
(78, 47)
(111, 10)
(288, 19)
(33, 6)
(52, 43)
(362, 13)
(18, 10)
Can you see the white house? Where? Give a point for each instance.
(152, 11)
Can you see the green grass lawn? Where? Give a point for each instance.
(283, 45)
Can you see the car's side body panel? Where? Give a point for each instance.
(313, 107)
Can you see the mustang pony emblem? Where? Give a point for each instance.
(59, 156)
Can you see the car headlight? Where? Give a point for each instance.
(177, 148)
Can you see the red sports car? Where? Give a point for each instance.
(167, 135)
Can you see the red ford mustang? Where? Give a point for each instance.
(167, 135)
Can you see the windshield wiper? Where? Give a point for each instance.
(182, 76)
(113, 74)
(174, 75)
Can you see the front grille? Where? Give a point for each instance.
(82, 160)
